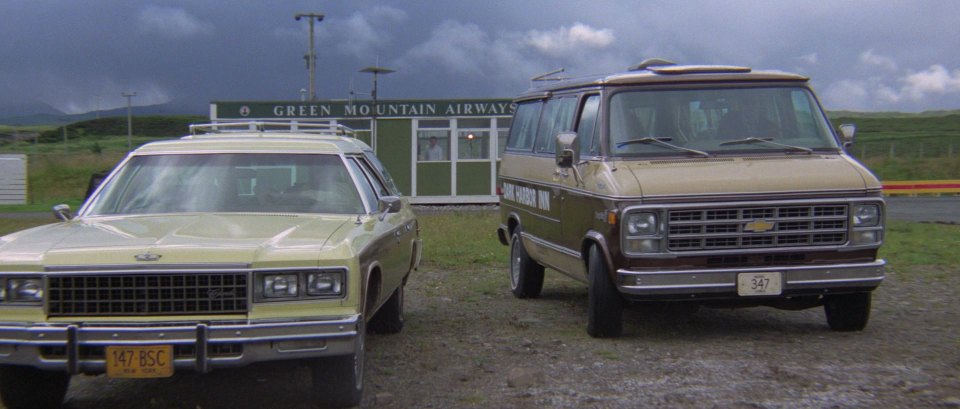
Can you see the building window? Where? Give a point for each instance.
(473, 144)
(433, 145)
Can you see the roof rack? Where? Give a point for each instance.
(270, 127)
(651, 62)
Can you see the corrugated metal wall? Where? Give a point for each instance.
(13, 179)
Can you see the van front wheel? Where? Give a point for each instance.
(605, 308)
(526, 276)
(847, 312)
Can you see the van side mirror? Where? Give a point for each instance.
(846, 134)
(568, 150)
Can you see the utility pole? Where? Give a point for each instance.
(375, 70)
(129, 95)
(312, 52)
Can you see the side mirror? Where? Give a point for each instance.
(847, 131)
(568, 150)
(62, 212)
(390, 204)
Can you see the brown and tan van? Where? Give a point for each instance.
(707, 185)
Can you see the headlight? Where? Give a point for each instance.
(641, 224)
(280, 286)
(866, 215)
(25, 290)
(324, 283)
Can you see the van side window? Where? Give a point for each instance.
(587, 124)
(557, 117)
(524, 129)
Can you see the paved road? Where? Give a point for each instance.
(924, 209)
(918, 209)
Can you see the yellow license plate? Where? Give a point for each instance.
(154, 361)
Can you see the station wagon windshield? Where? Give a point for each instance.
(717, 121)
(295, 183)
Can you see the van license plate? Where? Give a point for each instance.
(759, 284)
(154, 361)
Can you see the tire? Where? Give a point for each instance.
(23, 387)
(526, 276)
(847, 312)
(389, 319)
(605, 308)
(338, 380)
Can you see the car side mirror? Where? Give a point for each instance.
(62, 212)
(390, 204)
(847, 131)
(568, 150)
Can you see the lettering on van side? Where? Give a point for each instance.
(527, 196)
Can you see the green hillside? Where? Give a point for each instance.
(149, 126)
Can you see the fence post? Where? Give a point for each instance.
(920, 154)
(892, 150)
(863, 152)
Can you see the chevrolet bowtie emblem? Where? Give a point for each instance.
(147, 257)
(758, 226)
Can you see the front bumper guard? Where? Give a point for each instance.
(20, 344)
(717, 282)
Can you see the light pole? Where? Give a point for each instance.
(129, 95)
(311, 53)
(375, 70)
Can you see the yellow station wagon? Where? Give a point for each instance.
(708, 185)
(238, 244)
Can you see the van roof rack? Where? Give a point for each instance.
(651, 62)
(282, 127)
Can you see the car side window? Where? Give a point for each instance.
(524, 128)
(587, 125)
(557, 117)
(381, 170)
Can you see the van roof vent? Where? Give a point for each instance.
(650, 62)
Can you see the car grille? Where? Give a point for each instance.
(147, 294)
(757, 227)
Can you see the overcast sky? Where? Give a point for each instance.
(862, 55)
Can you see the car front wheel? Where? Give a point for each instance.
(847, 312)
(389, 320)
(338, 380)
(605, 308)
(23, 387)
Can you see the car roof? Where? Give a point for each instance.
(256, 136)
(657, 71)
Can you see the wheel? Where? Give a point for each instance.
(389, 320)
(526, 276)
(338, 380)
(605, 308)
(847, 312)
(30, 388)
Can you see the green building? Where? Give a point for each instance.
(438, 151)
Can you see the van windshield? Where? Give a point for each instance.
(716, 121)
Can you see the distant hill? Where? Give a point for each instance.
(163, 126)
(924, 114)
(43, 114)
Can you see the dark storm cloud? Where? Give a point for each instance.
(75, 55)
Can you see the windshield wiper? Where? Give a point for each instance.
(768, 141)
(662, 142)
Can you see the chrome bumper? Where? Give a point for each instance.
(20, 344)
(796, 279)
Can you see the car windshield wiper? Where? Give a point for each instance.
(768, 141)
(662, 142)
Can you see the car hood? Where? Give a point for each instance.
(748, 175)
(256, 240)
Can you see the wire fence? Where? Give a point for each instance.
(903, 150)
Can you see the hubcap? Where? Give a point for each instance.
(514, 264)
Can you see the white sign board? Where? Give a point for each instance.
(13, 179)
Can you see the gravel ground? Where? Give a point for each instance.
(469, 344)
